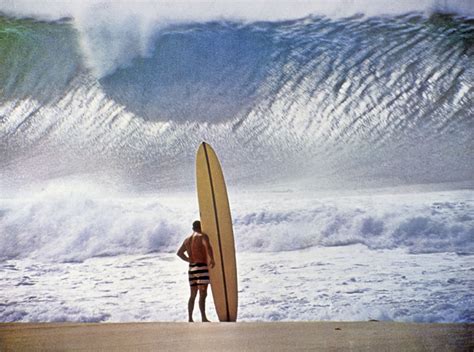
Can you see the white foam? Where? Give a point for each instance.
(73, 222)
(338, 283)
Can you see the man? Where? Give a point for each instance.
(198, 250)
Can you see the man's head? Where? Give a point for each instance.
(197, 226)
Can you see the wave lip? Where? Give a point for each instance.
(127, 30)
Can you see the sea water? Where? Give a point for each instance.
(344, 131)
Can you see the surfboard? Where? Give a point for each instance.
(216, 222)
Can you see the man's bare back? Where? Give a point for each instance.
(196, 247)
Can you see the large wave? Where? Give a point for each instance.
(365, 101)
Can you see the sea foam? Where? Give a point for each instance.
(74, 227)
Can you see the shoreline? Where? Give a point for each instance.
(251, 336)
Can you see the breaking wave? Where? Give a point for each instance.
(369, 101)
(62, 226)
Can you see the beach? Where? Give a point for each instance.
(301, 336)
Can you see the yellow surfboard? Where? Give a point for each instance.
(216, 222)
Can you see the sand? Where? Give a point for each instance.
(281, 336)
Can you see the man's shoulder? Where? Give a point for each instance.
(193, 235)
(200, 235)
(204, 236)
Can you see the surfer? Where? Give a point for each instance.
(196, 249)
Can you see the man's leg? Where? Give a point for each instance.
(202, 301)
(192, 298)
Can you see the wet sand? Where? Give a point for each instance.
(280, 336)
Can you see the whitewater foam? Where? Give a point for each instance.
(78, 223)
(326, 283)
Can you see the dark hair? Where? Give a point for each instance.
(197, 226)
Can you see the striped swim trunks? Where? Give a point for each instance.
(198, 274)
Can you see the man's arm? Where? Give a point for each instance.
(208, 246)
(181, 252)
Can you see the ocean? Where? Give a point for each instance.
(344, 130)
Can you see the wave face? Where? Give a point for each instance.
(366, 101)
